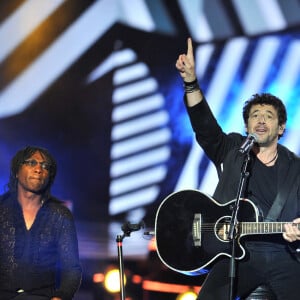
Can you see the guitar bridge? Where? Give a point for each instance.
(197, 230)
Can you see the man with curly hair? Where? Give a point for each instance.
(273, 170)
(38, 241)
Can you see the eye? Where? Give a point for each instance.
(45, 165)
(30, 163)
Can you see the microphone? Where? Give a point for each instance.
(248, 143)
(128, 227)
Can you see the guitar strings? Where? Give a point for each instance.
(258, 227)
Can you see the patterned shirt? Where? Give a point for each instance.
(43, 260)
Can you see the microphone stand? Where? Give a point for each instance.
(127, 229)
(233, 224)
(119, 241)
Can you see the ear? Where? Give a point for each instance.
(281, 129)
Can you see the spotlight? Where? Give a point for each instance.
(98, 277)
(190, 295)
(112, 281)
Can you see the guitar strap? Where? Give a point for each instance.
(283, 191)
(277, 207)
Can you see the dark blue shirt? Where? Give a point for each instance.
(43, 260)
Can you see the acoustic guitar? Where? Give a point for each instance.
(191, 230)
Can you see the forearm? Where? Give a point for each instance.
(194, 98)
(70, 271)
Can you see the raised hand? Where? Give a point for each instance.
(185, 63)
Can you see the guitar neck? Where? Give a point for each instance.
(263, 227)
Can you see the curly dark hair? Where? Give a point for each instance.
(268, 99)
(18, 160)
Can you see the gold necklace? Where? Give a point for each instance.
(274, 158)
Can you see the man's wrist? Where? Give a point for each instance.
(192, 86)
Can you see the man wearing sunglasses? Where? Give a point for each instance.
(38, 241)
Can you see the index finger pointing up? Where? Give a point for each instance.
(189, 47)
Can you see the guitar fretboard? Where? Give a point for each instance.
(263, 227)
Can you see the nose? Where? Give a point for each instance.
(38, 168)
(261, 119)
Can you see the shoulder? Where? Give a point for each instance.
(5, 198)
(288, 154)
(58, 207)
(233, 142)
(236, 137)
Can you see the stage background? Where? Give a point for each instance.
(95, 83)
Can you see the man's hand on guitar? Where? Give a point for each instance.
(292, 232)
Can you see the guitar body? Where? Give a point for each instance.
(191, 230)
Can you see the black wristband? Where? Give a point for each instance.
(190, 87)
(190, 83)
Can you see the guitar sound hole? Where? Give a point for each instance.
(222, 228)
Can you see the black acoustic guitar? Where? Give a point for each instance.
(191, 230)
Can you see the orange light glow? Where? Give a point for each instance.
(168, 287)
(98, 277)
(152, 245)
(136, 279)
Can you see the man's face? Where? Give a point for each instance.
(33, 175)
(263, 121)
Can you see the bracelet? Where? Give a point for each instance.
(190, 87)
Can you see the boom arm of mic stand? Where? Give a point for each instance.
(233, 224)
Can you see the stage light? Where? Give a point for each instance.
(190, 295)
(152, 244)
(112, 281)
(98, 277)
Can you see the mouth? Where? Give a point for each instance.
(36, 178)
(260, 130)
